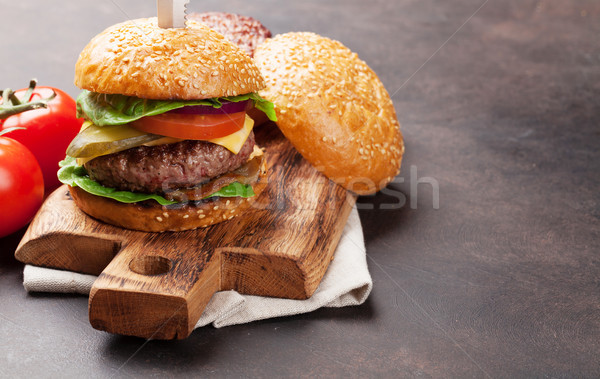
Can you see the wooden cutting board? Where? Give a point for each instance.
(156, 285)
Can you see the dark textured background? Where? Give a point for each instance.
(500, 109)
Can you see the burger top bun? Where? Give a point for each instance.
(333, 108)
(137, 58)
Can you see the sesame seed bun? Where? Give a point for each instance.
(333, 108)
(137, 58)
(150, 216)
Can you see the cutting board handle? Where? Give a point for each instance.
(153, 289)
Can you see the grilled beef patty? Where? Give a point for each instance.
(158, 169)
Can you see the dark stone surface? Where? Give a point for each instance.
(500, 108)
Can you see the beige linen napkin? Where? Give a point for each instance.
(346, 282)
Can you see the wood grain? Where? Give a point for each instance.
(156, 285)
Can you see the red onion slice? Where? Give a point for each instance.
(227, 107)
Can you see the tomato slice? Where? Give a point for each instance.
(192, 126)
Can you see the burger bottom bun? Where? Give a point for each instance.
(153, 217)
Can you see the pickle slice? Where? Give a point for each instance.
(96, 140)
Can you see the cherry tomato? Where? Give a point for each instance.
(46, 131)
(192, 126)
(21, 186)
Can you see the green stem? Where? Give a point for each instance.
(8, 130)
(32, 84)
(16, 109)
(11, 105)
(6, 96)
(14, 98)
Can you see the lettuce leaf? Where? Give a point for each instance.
(76, 176)
(259, 103)
(112, 109)
(235, 189)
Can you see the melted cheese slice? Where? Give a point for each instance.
(232, 142)
(235, 141)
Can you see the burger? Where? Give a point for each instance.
(167, 144)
